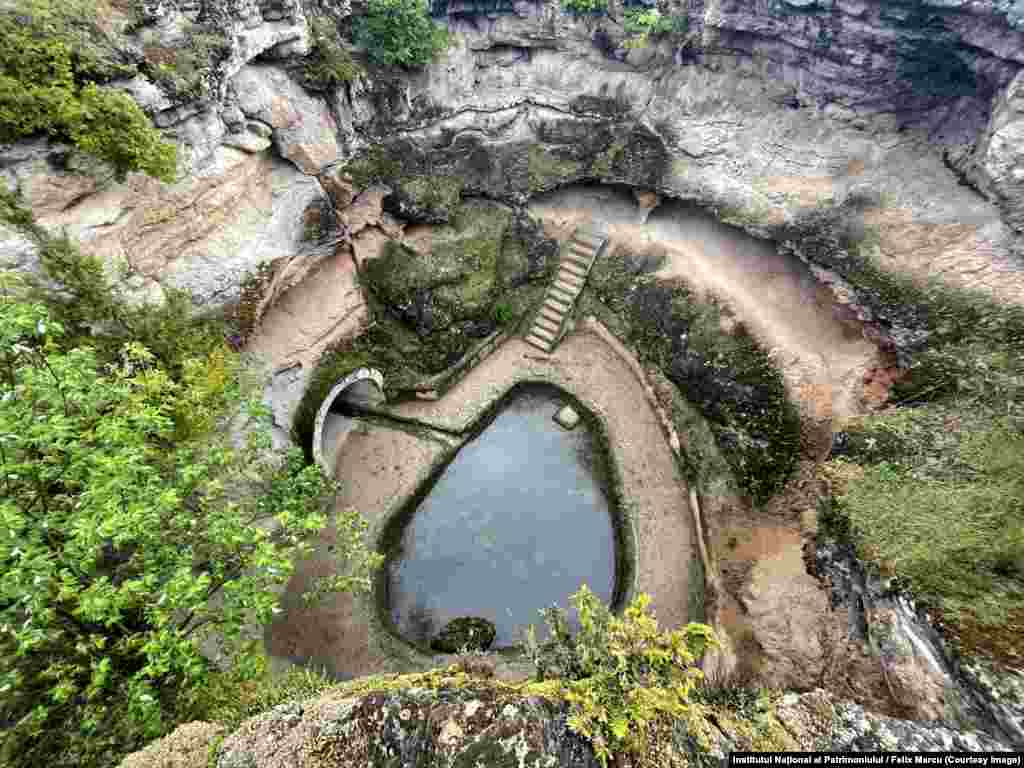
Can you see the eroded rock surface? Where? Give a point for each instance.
(767, 114)
(485, 725)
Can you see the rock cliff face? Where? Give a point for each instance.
(872, 113)
(895, 126)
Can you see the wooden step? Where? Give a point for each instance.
(552, 314)
(557, 302)
(547, 324)
(580, 251)
(576, 269)
(539, 343)
(543, 333)
(564, 295)
(569, 283)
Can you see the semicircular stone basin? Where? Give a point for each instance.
(516, 522)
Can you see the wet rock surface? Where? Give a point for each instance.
(923, 672)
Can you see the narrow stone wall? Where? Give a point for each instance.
(363, 374)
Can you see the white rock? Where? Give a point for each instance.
(567, 417)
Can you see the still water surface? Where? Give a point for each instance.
(518, 521)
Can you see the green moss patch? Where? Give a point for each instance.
(727, 376)
(484, 272)
(931, 489)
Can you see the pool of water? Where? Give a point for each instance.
(517, 521)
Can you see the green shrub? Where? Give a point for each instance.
(328, 64)
(580, 7)
(641, 24)
(48, 84)
(126, 508)
(400, 33)
(619, 674)
(504, 313)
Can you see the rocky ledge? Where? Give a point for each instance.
(469, 722)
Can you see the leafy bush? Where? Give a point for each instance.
(132, 525)
(619, 674)
(47, 84)
(581, 7)
(643, 23)
(503, 313)
(329, 64)
(400, 33)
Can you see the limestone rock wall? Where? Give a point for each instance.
(766, 113)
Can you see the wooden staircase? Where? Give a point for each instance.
(574, 264)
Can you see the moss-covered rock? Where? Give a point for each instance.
(467, 632)
(726, 375)
(455, 283)
(427, 198)
(485, 271)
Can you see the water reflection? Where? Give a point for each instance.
(518, 521)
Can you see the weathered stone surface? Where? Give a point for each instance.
(477, 724)
(999, 160)
(339, 188)
(304, 130)
(188, 746)
(205, 233)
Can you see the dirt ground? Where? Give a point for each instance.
(381, 466)
(823, 358)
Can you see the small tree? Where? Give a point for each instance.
(619, 674)
(644, 23)
(400, 33)
(132, 523)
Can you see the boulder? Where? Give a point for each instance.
(304, 131)
(465, 633)
(567, 417)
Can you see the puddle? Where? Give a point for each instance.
(517, 521)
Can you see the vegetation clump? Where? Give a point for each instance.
(400, 33)
(468, 633)
(931, 488)
(184, 70)
(583, 7)
(133, 526)
(642, 24)
(328, 64)
(50, 76)
(620, 675)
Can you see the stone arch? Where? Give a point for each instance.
(323, 455)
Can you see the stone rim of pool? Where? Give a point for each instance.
(604, 473)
